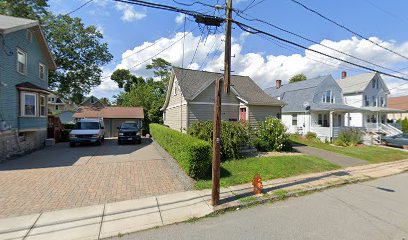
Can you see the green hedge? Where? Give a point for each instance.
(233, 136)
(193, 155)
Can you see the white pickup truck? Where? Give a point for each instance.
(87, 130)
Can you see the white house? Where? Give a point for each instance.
(368, 92)
(314, 105)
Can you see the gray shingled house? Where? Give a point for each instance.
(314, 105)
(190, 97)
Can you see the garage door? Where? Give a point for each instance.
(111, 126)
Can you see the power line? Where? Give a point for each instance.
(155, 55)
(197, 15)
(76, 9)
(315, 42)
(346, 28)
(253, 30)
(254, 5)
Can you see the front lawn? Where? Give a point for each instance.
(240, 171)
(372, 154)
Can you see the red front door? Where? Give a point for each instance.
(242, 114)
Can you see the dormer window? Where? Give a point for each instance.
(328, 97)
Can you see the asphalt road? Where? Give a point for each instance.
(371, 210)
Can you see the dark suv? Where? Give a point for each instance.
(129, 132)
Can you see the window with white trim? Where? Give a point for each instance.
(28, 104)
(294, 119)
(366, 101)
(374, 101)
(328, 97)
(43, 108)
(21, 61)
(41, 71)
(382, 102)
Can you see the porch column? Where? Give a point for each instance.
(331, 125)
(348, 119)
(378, 125)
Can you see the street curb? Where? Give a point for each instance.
(264, 198)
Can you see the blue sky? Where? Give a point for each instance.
(127, 29)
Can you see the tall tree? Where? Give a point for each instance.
(161, 68)
(298, 78)
(78, 49)
(105, 101)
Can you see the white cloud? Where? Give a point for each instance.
(180, 18)
(263, 68)
(100, 29)
(129, 14)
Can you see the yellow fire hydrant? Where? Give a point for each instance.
(257, 184)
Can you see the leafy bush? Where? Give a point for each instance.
(349, 137)
(272, 136)
(404, 124)
(233, 136)
(193, 155)
(311, 135)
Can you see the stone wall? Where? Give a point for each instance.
(13, 144)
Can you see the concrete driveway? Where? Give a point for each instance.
(62, 177)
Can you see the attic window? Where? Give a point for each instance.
(29, 36)
(328, 97)
(92, 100)
(176, 86)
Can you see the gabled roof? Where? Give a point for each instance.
(193, 82)
(110, 112)
(10, 24)
(296, 86)
(358, 83)
(398, 102)
(87, 98)
(297, 94)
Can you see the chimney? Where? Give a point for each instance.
(343, 75)
(278, 84)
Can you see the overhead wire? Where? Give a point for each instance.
(254, 30)
(315, 42)
(347, 29)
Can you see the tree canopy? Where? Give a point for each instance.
(78, 49)
(146, 92)
(298, 78)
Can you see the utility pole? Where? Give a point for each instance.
(227, 56)
(215, 196)
(215, 193)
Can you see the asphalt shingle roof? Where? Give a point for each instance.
(11, 24)
(109, 112)
(355, 84)
(296, 95)
(192, 82)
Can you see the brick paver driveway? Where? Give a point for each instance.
(63, 177)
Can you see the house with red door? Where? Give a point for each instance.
(191, 93)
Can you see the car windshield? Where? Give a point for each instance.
(87, 125)
(130, 126)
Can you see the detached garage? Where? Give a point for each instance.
(113, 117)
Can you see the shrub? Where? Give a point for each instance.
(404, 124)
(193, 155)
(349, 137)
(233, 136)
(272, 136)
(311, 135)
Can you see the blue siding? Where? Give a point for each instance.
(9, 78)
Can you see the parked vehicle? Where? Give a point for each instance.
(400, 140)
(87, 131)
(129, 132)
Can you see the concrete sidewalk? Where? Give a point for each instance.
(115, 219)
